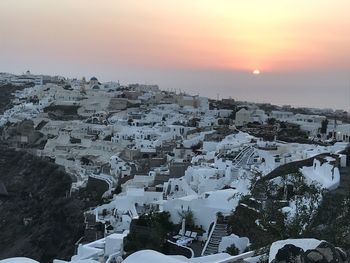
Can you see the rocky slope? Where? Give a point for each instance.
(37, 219)
(323, 253)
(5, 95)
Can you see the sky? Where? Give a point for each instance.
(205, 47)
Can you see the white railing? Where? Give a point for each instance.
(209, 237)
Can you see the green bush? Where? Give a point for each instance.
(232, 250)
(149, 232)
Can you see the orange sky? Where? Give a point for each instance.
(302, 47)
(273, 35)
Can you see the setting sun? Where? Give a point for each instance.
(256, 71)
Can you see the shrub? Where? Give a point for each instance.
(232, 250)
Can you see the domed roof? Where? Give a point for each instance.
(94, 79)
(152, 256)
(19, 260)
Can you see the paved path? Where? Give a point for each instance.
(197, 248)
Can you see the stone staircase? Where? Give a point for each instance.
(219, 232)
(243, 157)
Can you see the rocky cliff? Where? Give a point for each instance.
(38, 219)
(323, 253)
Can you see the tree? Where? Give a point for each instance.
(117, 190)
(197, 146)
(324, 125)
(189, 218)
(232, 115)
(271, 121)
(232, 250)
(148, 232)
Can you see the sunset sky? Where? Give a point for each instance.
(207, 47)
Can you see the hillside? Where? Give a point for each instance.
(37, 220)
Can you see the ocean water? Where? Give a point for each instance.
(323, 89)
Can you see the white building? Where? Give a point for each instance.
(204, 207)
(243, 117)
(282, 115)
